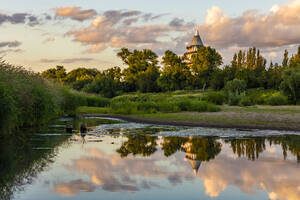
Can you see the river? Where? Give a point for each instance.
(121, 160)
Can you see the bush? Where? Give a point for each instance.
(215, 97)
(246, 101)
(203, 106)
(236, 87)
(277, 100)
(183, 104)
(97, 101)
(148, 106)
(290, 86)
(124, 107)
(233, 100)
(8, 111)
(168, 106)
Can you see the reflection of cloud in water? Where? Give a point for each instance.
(279, 178)
(73, 188)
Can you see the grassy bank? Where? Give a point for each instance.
(261, 117)
(26, 99)
(154, 103)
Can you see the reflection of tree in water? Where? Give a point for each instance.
(144, 145)
(20, 162)
(197, 149)
(203, 148)
(171, 145)
(288, 143)
(251, 148)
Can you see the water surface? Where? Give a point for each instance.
(119, 160)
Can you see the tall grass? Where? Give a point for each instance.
(152, 103)
(26, 99)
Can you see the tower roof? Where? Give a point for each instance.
(197, 40)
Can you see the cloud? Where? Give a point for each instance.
(10, 44)
(115, 29)
(19, 18)
(49, 39)
(66, 61)
(75, 13)
(279, 27)
(9, 47)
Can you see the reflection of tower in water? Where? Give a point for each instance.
(195, 164)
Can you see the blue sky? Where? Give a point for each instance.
(227, 25)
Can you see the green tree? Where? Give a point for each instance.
(204, 64)
(285, 60)
(141, 64)
(57, 74)
(291, 84)
(104, 85)
(175, 74)
(295, 60)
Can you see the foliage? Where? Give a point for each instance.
(151, 103)
(57, 74)
(290, 85)
(27, 99)
(142, 70)
(235, 87)
(246, 101)
(216, 97)
(103, 85)
(204, 64)
(175, 74)
(277, 100)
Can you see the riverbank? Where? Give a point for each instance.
(254, 117)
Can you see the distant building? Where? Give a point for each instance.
(193, 47)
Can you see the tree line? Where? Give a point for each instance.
(144, 73)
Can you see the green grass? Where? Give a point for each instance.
(264, 109)
(91, 110)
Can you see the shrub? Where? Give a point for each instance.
(234, 100)
(124, 107)
(236, 87)
(277, 100)
(72, 100)
(168, 106)
(8, 111)
(97, 101)
(183, 104)
(290, 85)
(148, 106)
(246, 101)
(203, 106)
(215, 97)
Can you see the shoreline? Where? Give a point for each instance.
(160, 121)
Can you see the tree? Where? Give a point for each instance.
(295, 60)
(291, 84)
(236, 87)
(175, 74)
(285, 60)
(104, 85)
(56, 74)
(204, 64)
(140, 64)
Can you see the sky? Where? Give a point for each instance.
(88, 33)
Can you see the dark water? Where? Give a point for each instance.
(119, 160)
